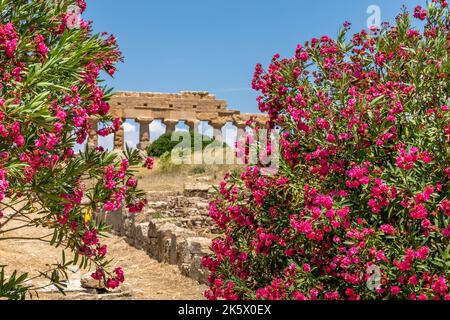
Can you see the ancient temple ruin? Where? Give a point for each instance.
(172, 108)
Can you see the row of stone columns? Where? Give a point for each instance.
(144, 134)
(144, 131)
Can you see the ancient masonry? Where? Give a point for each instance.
(190, 107)
(175, 228)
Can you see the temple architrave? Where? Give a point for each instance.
(172, 108)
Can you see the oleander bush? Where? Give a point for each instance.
(50, 90)
(359, 208)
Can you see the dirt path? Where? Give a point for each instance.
(145, 278)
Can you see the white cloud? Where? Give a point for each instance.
(128, 127)
(230, 134)
(156, 130)
(132, 143)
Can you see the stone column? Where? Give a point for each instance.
(217, 126)
(240, 126)
(119, 137)
(93, 136)
(144, 134)
(193, 125)
(170, 125)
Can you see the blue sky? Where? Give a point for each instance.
(176, 45)
(214, 45)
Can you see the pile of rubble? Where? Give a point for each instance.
(175, 228)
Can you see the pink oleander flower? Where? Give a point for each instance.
(132, 183)
(422, 253)
(112, 283)
(387, 229)
(98, 274)
(149, 162)
(395, 290)
(420, 13)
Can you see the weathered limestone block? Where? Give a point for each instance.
(160, 195)
(167, 243)
(163, 237)
(127, 228)
(158, 205)
(141, 240)
(182, 201)
(88, 283)
(170, 235)
(196, 222)
(191, 251)
(154, 246)
(202, 205)
(113, 219)
(191, 202)
(155, 224)
(191, 212)
(178, 212)
(93, 136)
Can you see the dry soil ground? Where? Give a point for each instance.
(145, 277)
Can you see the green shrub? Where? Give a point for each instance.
(166, 164)
(198, 170)
(165, 144)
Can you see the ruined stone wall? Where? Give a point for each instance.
(175, 229)
(183, 101)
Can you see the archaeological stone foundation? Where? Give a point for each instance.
(175, 228)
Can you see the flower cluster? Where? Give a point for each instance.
(149, 162)
(8, 39)
(111, 282)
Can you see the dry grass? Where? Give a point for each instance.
(169, 177)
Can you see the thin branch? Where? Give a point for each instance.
(42, 239)
(17, 212)
(23, 220)
(16, 228)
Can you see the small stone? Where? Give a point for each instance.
(88, 283)
(158, 205)
(203, 179)
(126, 295)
